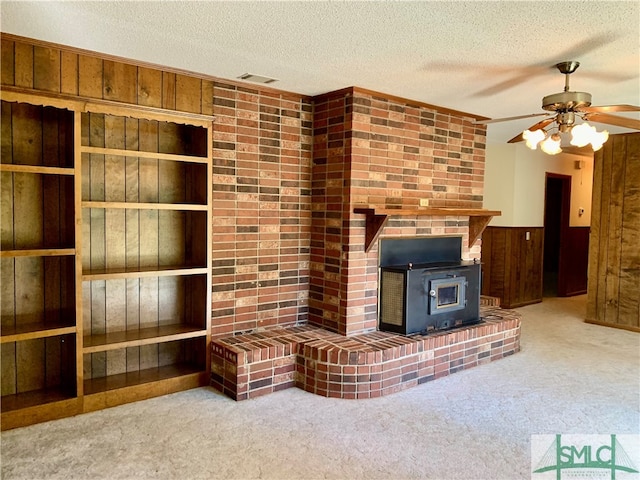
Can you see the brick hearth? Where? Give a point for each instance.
(367, 149)
(361, 366)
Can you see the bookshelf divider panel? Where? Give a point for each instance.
(79, 232)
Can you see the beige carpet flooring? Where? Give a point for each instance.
(570, 377)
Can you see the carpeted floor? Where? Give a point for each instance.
(570, 377)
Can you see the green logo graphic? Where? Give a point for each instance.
(592, 457)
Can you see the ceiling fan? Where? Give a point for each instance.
(566, 108)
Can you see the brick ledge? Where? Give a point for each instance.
(361, 366)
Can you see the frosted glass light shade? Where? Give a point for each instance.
(533, 138)
(581, 134)
(598, 139)
(551, 145)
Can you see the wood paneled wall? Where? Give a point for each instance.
(512, 265)
(28, 65)
(614, 256)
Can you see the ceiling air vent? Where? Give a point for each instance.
(250, 77)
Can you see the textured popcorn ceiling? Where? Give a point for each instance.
(493, 59)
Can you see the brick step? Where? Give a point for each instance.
(360, 366)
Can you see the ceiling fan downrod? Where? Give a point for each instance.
(566, 101)
(567, 68)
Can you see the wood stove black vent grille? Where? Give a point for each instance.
(392, 298)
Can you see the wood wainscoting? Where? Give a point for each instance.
(614, 257)
(574, 260)
(512, 264)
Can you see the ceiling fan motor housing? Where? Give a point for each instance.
(566, 101)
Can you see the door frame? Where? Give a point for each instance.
(565, 214)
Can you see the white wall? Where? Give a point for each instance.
(515, 184)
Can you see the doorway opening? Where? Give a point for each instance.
(556, 223)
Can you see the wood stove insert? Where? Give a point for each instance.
(425, 286)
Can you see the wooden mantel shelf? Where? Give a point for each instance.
(377, 217)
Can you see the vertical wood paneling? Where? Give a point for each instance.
(87, 362)
(169, 90)
(69, 73)
(30, 365)
(605, 218)
(171, 300)
(98, 326)
(28, 211)
(7, 292)
(576, 257)
(149, 355)
(188, 94)
(594, 238)
(8, 60)
(629, 303)
(132, 238)
(119, 82)
(26, 135)
(46, 69)
(96, 239)
(149, 87)
(53, 362)
(6, 148)
(6, 210)
(23, 65)
(171, 225)
(53, 214)
(616, 199)
(115, 237)
(29, 308)
(207, 97)
(168, 353)
(8, 365)
(90, 76)
(614, 269)
(149, 238)
(53, 273)
(512, 265)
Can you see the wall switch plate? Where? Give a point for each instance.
(527, 236)
(424, 202)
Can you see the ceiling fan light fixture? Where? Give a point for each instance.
(584, 134)
(581, 134)
(598, 139)
(551, 145)
(534, 137)
(568, 107)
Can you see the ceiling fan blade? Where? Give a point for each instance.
(586, 150)
(613, 120)
(579, 50)
(610, 108)
(607, 77)
(507, 119)
(589, 44)
(499, 87)
(537, 126)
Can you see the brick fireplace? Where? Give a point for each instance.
(376, 150)
(376, 159)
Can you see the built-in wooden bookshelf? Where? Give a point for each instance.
(106, 263)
